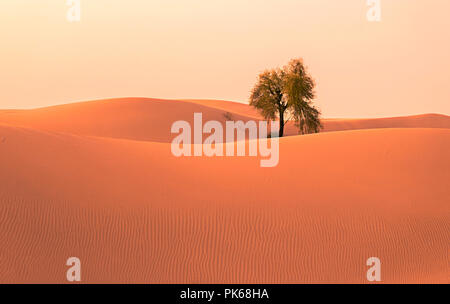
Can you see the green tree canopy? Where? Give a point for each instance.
(287, 93)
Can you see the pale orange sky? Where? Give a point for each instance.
(215, 49)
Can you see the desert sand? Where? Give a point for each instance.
(147, 119)
(96, 180)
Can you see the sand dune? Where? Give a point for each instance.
(416, 121)
(344, 124)
(128, 118)
(228, 106)
(330, 125)
(132, 212)
(150, 119)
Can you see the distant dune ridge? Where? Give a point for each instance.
(150, 119)
(128, 118)
(97, 180)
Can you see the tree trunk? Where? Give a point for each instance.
(281, 132)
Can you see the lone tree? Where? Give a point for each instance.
(287, 93)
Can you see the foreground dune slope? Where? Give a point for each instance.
(132, 212)
(148, 119)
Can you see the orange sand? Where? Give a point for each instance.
(132, 212)
(148, 119)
